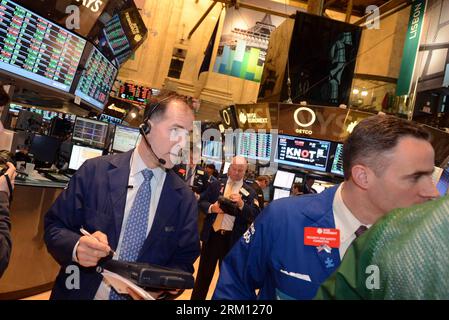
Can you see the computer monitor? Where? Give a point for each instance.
(283, 179)
(29, 121)
(125, 138)
(299, 179)
(81, 154)
(97, 80)
(38, 49)
(302, 152)
(110, 119)
(280, 193)
(337, 164)
(212, 149)
(318, 187)
(44, 148)
(135, 93)
(254, 145)
(90, 132)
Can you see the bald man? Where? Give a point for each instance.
(223, 227)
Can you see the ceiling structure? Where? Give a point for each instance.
(356, 8)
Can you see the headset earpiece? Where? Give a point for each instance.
(145, 128)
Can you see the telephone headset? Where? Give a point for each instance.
(145, 129)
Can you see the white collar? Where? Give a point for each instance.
(234, 182)
(137, 166)
(344, 219)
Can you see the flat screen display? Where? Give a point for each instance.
(80, 154)
(125, 138)
(96, 80)
(284, 179)
(254, 145)
(280, 193)
(337, 164)
(135, 93)
(110, 119)
(117, 39)
(37, 49)
(211, 149)
(302, 152)
(90, 132)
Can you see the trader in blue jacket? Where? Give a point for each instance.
(131, 204)
(298, 242)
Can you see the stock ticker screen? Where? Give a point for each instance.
(254, 145)
(301, 152)
(135, 93)
(97, 80)
(90, 132)
(117, 39)
(337, 165)
(37, 49)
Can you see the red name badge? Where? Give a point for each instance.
(321, 236)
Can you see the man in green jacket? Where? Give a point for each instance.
(405, 255)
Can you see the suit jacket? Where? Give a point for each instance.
(271, 255)
(5, 235)
(260, 197)
(200, 180)
(247, 215)
(96, 198)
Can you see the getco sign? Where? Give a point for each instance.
(302, 124)
(226, 117)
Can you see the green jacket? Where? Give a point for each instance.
(405, 255)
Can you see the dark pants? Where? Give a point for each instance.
(215, 249)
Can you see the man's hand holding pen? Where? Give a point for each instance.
(92, 248)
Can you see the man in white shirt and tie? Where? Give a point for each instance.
(131, 204)
(221, 230)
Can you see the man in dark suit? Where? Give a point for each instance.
(307, 188)
(193, 175)
(261, 183)
(130, 203)
(222, 228)
(5, 223)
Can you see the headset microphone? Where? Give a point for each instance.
(144, 129)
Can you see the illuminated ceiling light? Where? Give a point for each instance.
(355, 91)
(364, 93)
(133, 114)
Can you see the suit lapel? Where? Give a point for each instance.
(330, 261)
(118, 178)
(167, 207)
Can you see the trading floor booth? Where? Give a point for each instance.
(292, 142)
(31, 269)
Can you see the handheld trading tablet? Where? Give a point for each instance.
(150, 276)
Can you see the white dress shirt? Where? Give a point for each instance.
(135, 179)
(345, 222)
(231, 188)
